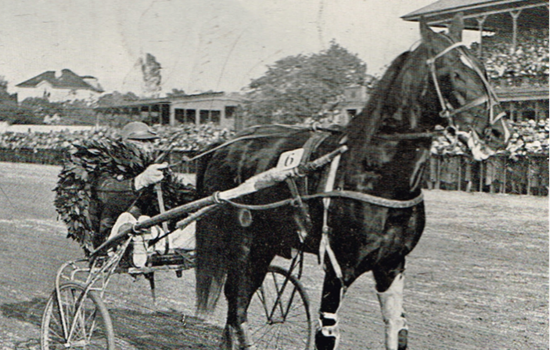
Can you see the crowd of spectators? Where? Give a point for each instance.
(528, 138)
(527, 62)
(184, 138)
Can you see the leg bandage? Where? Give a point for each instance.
(391, 304)
(328, 336)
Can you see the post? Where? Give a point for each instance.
(468, 176)
(459, 173)
(480, 21)
(528, 176)
(505, 174)
(438, 178)
(481, 177)
(515, 15)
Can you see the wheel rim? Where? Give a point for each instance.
(278, 315)
(87, 322)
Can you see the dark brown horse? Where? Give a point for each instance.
(375, 215)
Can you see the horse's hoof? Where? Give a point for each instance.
(402, 339)
(236, 338)
(323, 342)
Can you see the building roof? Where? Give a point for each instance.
(534, 13)
(67, 80)
(522, 94)
(219, 95)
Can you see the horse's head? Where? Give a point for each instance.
(465, 99)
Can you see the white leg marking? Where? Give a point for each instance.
(391, 304)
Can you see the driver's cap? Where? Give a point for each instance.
(138, 131)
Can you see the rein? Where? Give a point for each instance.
(359, 196)
(313, 127)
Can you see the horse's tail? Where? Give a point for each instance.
(211, 266)
(211, 261)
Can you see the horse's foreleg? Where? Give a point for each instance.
(389, 287)
(327, 336)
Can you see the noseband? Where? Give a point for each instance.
(447, 110)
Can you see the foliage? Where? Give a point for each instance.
(175, 93)
(75, 112)
(116, 98)
(4, 94)
(300, 87)
(151, 75)
(89, 159)
(41, 106)
(14, 114)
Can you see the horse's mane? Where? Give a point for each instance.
(363, 126)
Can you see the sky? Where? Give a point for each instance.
(202, 45)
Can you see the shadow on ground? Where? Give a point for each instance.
(135, 329)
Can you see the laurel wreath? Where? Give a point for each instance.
(85, 161)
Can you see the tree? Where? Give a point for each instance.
(4, 95)
(175, 93)
(116, 98)
(151, 75)
(300, 87)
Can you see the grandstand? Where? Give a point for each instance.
(513, 44)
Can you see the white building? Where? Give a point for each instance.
(67, 86)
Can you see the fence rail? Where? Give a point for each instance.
(499, 174)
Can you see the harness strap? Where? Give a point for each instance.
(324, 246)
(448, 111)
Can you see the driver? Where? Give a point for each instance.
(117, 194)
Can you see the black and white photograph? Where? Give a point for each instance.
(274, 175)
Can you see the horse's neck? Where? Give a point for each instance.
(388, 159)
(389, 168)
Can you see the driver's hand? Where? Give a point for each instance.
(151, 175)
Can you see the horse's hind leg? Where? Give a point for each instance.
(389, 287)
(243, 279)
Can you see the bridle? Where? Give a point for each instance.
(447, 110)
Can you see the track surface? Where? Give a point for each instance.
(477, 280)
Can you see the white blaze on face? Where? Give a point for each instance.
(479, 150)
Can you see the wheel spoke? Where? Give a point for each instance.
(287, 325)
(85, 315)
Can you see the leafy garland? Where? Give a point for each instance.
(85, 162)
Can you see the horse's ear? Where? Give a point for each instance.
(425, 31)
(456, 26)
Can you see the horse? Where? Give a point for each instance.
(375, 215)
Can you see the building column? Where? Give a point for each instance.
(515, 15)
(480, 21)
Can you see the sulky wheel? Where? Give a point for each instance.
(278, 315)
(66, 326)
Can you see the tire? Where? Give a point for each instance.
(285, 324)
(93, 330)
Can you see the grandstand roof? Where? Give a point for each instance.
(534, 13)
(523, 94)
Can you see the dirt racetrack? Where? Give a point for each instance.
(477, 280)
